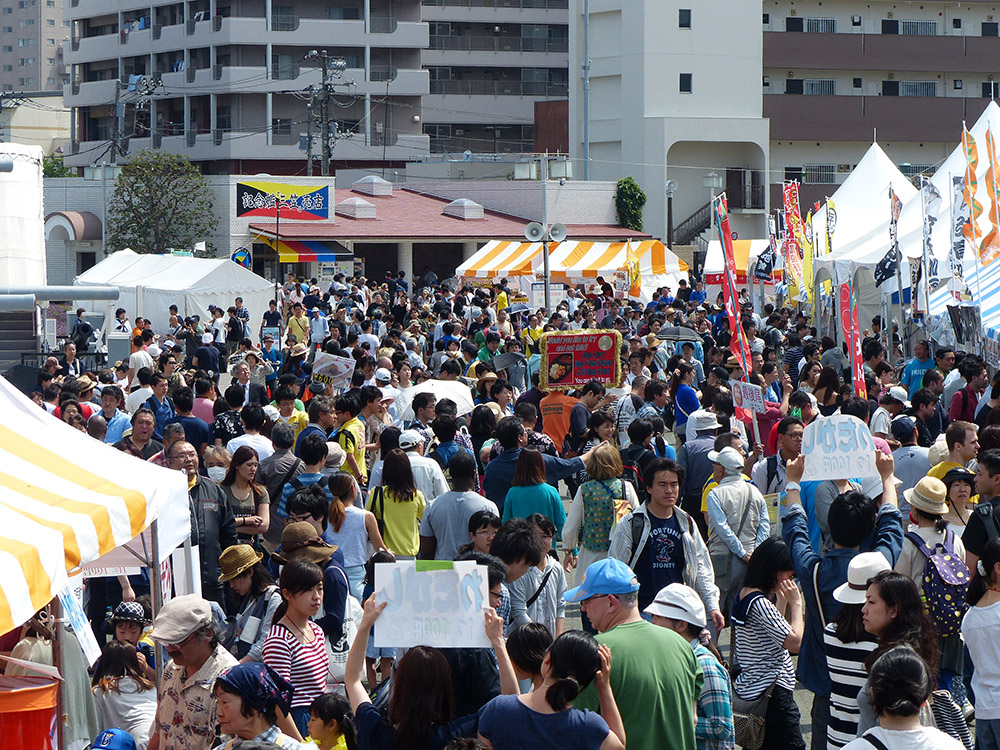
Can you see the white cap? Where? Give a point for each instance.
(154, 351)
(383, 375)
(206, 338)
(410, 439)
(678, 602)
(728, 458)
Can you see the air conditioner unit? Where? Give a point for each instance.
(458, 131)
(842, 168)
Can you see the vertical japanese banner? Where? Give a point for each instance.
(990, 246)
(738, 344)
(849, 322)
(795, 237)
(956, 253)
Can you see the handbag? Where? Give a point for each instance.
(748, 720)
(378, 509)
(337, 652)
(722, 562)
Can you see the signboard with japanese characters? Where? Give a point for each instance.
(571, 359)
(838, 447)
(748, 396)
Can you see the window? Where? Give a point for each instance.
(224, 118)
(8, 11)
(345, 14)
(685, 83)
(856, 83)
(50, 60)
(793, 174)
(684, 18)
(767, 81)
(819, 174)
(957, 84)
(820, 87)
(281, 126)
(25, 23)
(50, 3)
(8, 68)
(890, 88)
(856, 22)
(25, 42)
(50, 81)
(8, 29)
(889, 26)
(8, 48)
(793, 24)
(919, 28)
(991, 89)
(767, 19)
(50, 42)
(794, 86)
(956, 23)
(990, 28)
(821, 25)
(50, 22)
(918, 88)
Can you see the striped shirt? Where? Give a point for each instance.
(760, 650)
(847, 676)
(714, 729)
(305, 665)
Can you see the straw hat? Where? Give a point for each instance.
(236, 560)
(299, 541)
(85, 383)
(928, 496)
(299, 350)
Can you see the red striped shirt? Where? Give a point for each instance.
(305, 665)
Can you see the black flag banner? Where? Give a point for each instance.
(886, 268)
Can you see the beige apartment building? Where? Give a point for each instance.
(31, 42)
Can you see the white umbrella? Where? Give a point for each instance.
(456, 390)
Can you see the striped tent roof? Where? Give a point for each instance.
(499, 259)
(66, 500)
(984, 283)
(572, 262)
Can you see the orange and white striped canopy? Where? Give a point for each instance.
(499, 259)
(65, 500)
(573, 262)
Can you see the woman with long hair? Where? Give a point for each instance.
(545, 717)
(599, 503)
(827, 391)
(351, 528)
(894, 613)
(482, 425)
(419, 714)
(764, 639)
(398, 505)
(249, 578)
(979, 629)
(961, 485)
(600, 429)
(249, 500)
(809, 376)
(898, 687)
(848, 645)
(530, 493)
(296, 647)
(123, 695)
(684, 397)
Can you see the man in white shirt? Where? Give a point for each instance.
(138, 359)
(139, 396)
(891, 406)
(427, 474)
(252, 417)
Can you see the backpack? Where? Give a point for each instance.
(772, 471)
(945, 579)
(630, 474)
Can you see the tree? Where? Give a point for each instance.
(629, 200)
(160, 200)
(52, 166)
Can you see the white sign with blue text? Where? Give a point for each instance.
(431, 603)
(838, 447)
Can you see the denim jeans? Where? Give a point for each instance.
(782, 722)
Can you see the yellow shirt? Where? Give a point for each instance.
(351, 437)
(502, 301)
(939, 470)
(402, 519)
(298, 420)
(300, 327)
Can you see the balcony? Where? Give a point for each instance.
(496, 43)
(549, 4)
(959, 54)
(499, 88)
(82, 94)
(94, 48)
(852, 118)
(284, 23)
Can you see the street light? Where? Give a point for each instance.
(670, 187)
(558, 167)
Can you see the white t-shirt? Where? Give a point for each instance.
(881, 421)
(979, 628)
(140, 359)
(259, 443)
(924, 738)
(137, 398)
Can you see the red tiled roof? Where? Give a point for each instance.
(407, 215)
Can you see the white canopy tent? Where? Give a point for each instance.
(149, 284)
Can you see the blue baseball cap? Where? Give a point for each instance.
(114, 739)
(608, 576)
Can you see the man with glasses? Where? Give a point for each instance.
(655, 679)
(769, 474)
(213, 526)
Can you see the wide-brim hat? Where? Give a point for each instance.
(929, 496)
(236, 560)
(702, 420)
(85, 383)
(299, 541)
(299, 350)
(862, 568)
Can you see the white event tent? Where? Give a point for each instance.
(149, 284)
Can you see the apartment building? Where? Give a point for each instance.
(837, 75)
(674, 95)
(233, 79)
(489, 61)
(31, 38)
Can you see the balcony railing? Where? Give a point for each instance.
(383, 25)
(284, 23)
(551, 4)
(284, 71)
(495, 43)
(746, 196)
(499, 88)
(382, 73)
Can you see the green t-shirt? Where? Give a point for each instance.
(656, 680)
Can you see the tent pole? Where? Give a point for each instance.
(55, 609)
(155, 586)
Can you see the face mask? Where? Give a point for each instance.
(217, 473)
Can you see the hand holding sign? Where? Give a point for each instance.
(838, 447)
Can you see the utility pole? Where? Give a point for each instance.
(324, 112)
(331, 67)
(309, 134)
(119, 116)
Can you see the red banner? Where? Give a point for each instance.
(852, 335)
(738, 344)
(571, 359)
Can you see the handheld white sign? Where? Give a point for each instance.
(838, 447)
(748, 396)
(329, 369)
(431, 603)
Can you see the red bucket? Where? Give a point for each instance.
(28, 712)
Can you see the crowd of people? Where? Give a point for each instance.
(703, 562)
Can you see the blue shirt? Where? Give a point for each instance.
(698, 297)
(685, 402)
(116, 426)
(196, 431)
(888, 539)
(507, 723)
(661, 561)
(309, 429)
(163, 411)
(913, 374)
(304, 479)
(500, 471)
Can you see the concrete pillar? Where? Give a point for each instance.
(404, 260)
(469, 249)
